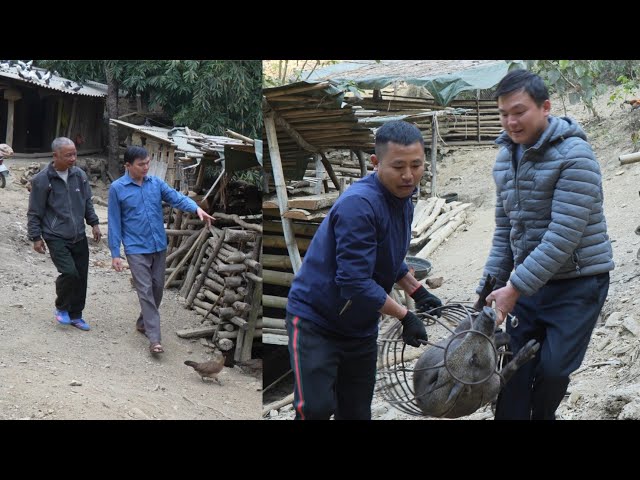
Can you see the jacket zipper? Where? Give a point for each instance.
(576, 260)
(75, 228)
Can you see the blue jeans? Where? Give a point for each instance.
(561, 317)
(332, 374)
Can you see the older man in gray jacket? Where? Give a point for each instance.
(551, 253)
(59, 204)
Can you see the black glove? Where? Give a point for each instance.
(412, 329)
(425, 301)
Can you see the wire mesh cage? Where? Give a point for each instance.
(396, 367)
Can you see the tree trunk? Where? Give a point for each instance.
(113, 165)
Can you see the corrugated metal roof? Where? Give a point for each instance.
(61, 84)
(184, 141)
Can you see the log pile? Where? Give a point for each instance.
(278, 275)
(434, 220)
(217, 270)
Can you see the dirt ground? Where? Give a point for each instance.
(607, 386)
(50, 371)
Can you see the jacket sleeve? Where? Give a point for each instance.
(114, 225)
(89, 212)
(578, 188)
(177, 199)
(37, 206)
(355, 228)
(500, 261)
(404, 269)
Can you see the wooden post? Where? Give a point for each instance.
(59, 123)
(478, 111)
(317, 188)
(74, 107)
(11, 95)
(434, 153)
(363, 163)
(256, 298)
(10, 111)
(281, 191)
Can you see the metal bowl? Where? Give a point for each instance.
(422, 267)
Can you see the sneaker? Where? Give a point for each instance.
(62, 317)
(80, 323)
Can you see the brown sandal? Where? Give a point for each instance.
(156, 348)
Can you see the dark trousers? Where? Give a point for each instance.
(561, 317)
(147, 270)
(72, 262)
(332, 374)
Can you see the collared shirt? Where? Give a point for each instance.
(135, 214)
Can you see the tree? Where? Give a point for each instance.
(584, 80)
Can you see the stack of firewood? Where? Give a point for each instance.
(434, 220)
(217, 270)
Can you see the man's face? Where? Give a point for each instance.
(522, 119)
(400, 168)
(65, 157)
(139, 168)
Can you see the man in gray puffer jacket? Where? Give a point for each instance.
(551, 253)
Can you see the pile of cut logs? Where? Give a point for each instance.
(434, 220)
(217, 270)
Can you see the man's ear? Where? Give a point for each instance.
(374, 161)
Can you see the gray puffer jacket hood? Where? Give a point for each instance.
(550, 223)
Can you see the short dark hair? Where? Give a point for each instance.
(398, 131)
(133, 152)
(523, 80)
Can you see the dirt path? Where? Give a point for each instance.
(59, 372)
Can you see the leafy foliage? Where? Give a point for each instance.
(283, 72)
(584, 80)
(207, 95)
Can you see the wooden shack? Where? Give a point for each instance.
(37, 106)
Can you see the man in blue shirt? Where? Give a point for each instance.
(136, 221)
(343, 285)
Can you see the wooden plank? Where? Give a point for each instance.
(314, 202)
(304, 215)
(272, 339)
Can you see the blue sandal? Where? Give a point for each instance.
(62, 317)
(80, 323)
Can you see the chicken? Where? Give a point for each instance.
(209, 369)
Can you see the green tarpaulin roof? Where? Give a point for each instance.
(444, 79)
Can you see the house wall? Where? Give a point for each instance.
(36, 120)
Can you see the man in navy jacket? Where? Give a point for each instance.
(354, 259)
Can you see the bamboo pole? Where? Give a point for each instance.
(281, 191)
(434, 153)
(271, 277)
(278, 404)
(629, 158)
